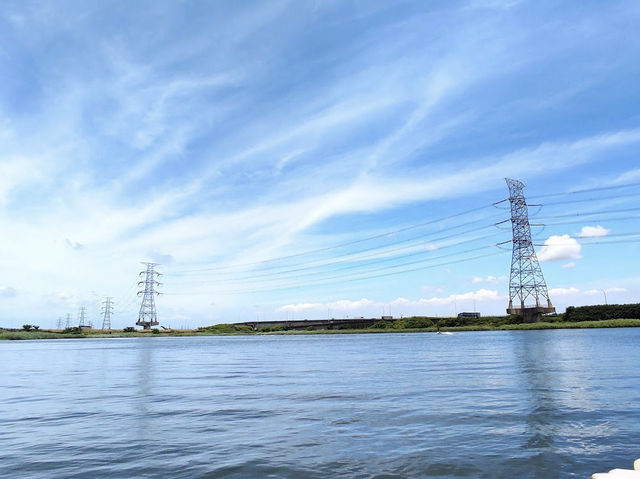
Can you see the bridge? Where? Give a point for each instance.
(303, 324)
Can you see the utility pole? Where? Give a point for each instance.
(107, 311)
(148, 316)
(83, 311)
(526, 278)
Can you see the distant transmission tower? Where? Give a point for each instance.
(67, 323)
(107, 311)
(83, 312)
(526, 280)
(59, 323)
(148, 316)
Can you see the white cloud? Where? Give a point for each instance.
(479, 295)
(592, 292)
(488, 279)
(569, 265)
(573, 291)
(563, 291)
(350, 305)
(560, 248)
(299, 307)
(593, 232)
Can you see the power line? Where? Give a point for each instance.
(585, 200)
(323, 282)
(587, 190)
(341, 245)
(355, 276)
(342, 268)
(355, 256)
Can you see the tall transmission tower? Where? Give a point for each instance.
(67, 323)
(526, 280)
(82, 316)
(107, 311)
(59, 323)
(148, 316)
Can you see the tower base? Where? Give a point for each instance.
(531, 315)
(147, 324)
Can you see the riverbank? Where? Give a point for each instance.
(224, 330)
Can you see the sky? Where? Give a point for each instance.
(312, 159)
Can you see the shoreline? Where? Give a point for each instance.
(52, 334)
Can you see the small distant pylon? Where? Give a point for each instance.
(526, 280)
(148, 316)
(82, 316)
(67, 323)
(107, 311)
(59, 323)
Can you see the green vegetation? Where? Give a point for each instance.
(602, 312)
(73, 330)
(604, 316)
(225, 329)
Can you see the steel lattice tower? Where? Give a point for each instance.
(148, 316)
(107, 311)
(67, 324)
(83, 311)
(526, 280)
(59, 323)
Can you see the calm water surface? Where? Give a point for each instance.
(521, 404)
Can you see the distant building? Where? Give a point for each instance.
(387, 317)
(469, 315)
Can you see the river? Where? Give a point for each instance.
(504, 404)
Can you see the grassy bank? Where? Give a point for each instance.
(611, 323)
(229, 330)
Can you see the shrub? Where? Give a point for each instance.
(72, 330)
(129, 329)
(155, 331)
(27, 327)
(602, 312)
(226, 328)
(269, 329)
(417, 323)
(382, 325)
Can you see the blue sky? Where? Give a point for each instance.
(211, 137)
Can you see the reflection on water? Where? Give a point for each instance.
(524, 404)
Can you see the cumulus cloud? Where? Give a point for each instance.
(479, 295)
(488, 279)
(593, 232)
(592, 292)
(573, 291)
(299, 307)
(560, 248)
(563, 291)
(569, 265)
(351, 305)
